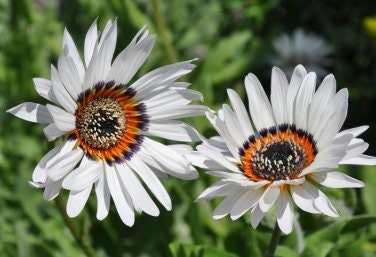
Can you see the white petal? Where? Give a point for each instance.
(44, 89)
(69, 74)
(90, 41)
(90, 76)
(199, 160)
(268, 198)
(175, 163)
(233, 125)
(303, 197)
(73, 52)
(52, 189)
(77, 201)
(103, 197)
(225, 206)
(323, 204)
(127, 63)
(292, 90)
(83, 176)
(285, 212)
(336, 180)
(303, 100)
(256, 216)
(218, 189)
(136, 190)
(151, 181)
(64, 164)
(173, 130)
(222, 130)
(278, 95)
(105, 53)
(39, 174)
(217, 157)
(161, 78)
(258, 101)
(354, 131)
(52, 132)
(124, 208)
(167, 113)
(61, 93)
(245, 202)
(32, 112)
(240, 112)
(360, 160)
(320, 100)
(63, 120)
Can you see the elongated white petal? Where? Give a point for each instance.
(90, 41)
(103, 197)
(217, 157)
(240, 112)
(292, 91)
(199, 160)
(136, 190)
(245, 202)
(73, 52)
(268, 198)
(123, 206)
(52, 132)
(303, 100)
(285, 212)
(226, 205)
(336, 180)
(173, 130)
(69, 74)
(304, 196)
(233, 125)
(61, 93)
(323, 204)
(44, 89)
(151, 181)
(256, 216)
(83, 176)
(32, 112)
(166, 113)
(39, 174)
(258, 101)
(64, 164)
(51, 190)
(77, 201)
(278, 95)
(174, 162)
(63, 120)
(218, 189)
(127, 63)
(360, 160)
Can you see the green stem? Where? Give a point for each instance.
(161, 27)
(81, 238)
(273, 241)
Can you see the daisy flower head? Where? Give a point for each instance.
(107, 123)
(283, 150)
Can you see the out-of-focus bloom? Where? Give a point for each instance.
(369, 24)
(107, 124)
(301, 48)
(280, 154)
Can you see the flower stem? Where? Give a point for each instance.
(273, 241)
(81, 238)
(161, 27)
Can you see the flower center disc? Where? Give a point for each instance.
(101, 123)
(277, 155)
(109, 122)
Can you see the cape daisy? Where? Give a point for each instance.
(279, 155)
(107, 124)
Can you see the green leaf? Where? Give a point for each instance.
(284, 251)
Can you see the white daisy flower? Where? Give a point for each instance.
(279, 155)
(108, 122)
(302, 48)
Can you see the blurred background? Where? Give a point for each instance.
(230, 38)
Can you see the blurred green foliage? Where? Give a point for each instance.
(230, 38)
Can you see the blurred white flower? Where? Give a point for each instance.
(302, 48)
